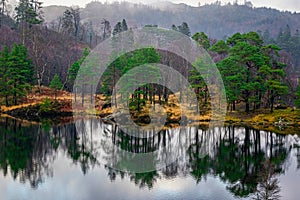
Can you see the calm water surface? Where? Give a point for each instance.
(58, 162)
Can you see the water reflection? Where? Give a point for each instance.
(247, 161)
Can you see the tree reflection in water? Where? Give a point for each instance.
(25, 151)
(268, 185)
(246, 160)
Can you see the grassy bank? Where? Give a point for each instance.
(36, 106)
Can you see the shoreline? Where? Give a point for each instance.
(285, 121)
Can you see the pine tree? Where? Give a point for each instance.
(202, 39)
(76, 20)
(2, 11)
(4, 87)
(174, 28)
(184, 29)
(117, 28)
(27, 11)
(272, 74)
(68, 22)
(106, 29)
(21, 72)
(56, 85)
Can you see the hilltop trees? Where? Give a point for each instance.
(67, 22)
(2, 10)
(106, 29)
(71, 22)
(28, 13)
(183, 28)
(120, 27)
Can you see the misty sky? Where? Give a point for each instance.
(291, 5)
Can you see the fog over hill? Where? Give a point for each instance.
(215, 20)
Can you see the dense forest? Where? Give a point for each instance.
(259, 67)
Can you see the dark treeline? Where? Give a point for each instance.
(214, 19)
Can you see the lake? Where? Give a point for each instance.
(85, 159)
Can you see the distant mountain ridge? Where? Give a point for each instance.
(215, 20)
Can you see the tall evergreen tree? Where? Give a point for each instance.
(2, 11)
(272, 74)
(21, 72)
(4, 76)
(27, 11)
(117, 28)
(106, 29)
(68, 22)
(76, 20)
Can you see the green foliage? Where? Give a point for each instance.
(220, 47)
(251, 70)
(56, 84)
(48, 108)
(45, 106)
(122, 65)
(27, 11)
(16, 73)
(4, 76)
(202, 39)
(76, 66)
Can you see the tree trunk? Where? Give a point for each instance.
(272, 103)
(247, 105)
(233, 105)
(82, 95)
(15, 95)
(6, 100)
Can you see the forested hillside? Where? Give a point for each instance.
(218, 22)
(215, 20)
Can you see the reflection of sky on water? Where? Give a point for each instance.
(186, 188)
(289, 181)
(68, 182)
